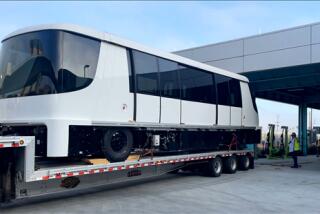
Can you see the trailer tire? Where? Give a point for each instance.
(230, 165)
(244, 162)
(251, 162)
(215, 167)
(117, 144)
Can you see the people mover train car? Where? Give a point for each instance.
(87, 93)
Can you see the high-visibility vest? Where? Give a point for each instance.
(296, 145)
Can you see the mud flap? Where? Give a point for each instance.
(7, 172)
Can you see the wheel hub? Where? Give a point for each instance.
(217, 167)
(118, 141)
(233, 164)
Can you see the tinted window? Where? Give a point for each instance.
(169, 82)
(223, 89)
(46, 62)
(131, 75)
(79, 62)
(197, 85)
(235, 93)
(253, 97)
(146, 70)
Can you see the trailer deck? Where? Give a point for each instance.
(28, 179)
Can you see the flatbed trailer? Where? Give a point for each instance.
(21, 177)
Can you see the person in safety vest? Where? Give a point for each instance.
(294, 148)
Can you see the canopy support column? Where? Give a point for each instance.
(303, 127)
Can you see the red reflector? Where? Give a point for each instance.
(45, 177)
(81, 173)
(15, 145)
(69, 174)
(101, 170)
(1, 145)
(58, 176)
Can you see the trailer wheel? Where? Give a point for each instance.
(215, 167)
(244, 162)
(230, 164)
(117, 144)
(251, 162)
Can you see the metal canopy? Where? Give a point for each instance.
(294, 85)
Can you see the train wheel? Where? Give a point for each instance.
(230, 164)
(117, 144)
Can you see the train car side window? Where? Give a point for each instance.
(253, 97)
(146, 70)
(131, 71)
(169, 81)
(197, 85)
(223, 90)
(235, 93)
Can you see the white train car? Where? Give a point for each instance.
(87, 93)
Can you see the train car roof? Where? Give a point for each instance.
(107, 37)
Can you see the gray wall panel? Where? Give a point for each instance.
(186, 53)
(288, 47)
(315, 33)
(215, 52)
(278, 40)
(275, 59)
(233, 64)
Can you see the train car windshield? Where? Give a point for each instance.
(47, 62)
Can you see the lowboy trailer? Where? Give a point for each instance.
(22, 177)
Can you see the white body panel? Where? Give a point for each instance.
(170, 110)
(236, 114)
(148, 108)
(249, 115)
(194, 113)
(113, 102)
(223, 115)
